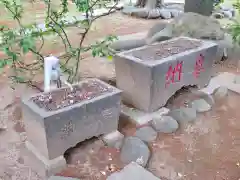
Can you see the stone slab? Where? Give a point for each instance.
(53, 132)
(139, 35)
(140, 117)
(223, 79)
(40, 164)
(132, 171)
(145, 83)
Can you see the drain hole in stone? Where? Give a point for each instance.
(82, 149)
(183, 95)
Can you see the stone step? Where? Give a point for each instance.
(132, 171)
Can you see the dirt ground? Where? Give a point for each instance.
(208, 149)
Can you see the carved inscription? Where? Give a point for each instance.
(174, 73)
(198, 68)
(67, 130)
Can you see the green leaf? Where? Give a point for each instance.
(26, 44)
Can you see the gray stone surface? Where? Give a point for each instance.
(113, 139)
(223, 79)
(156, 28)
(207, 97)
(184, 115)
(221, 92)
(147, 134)
(62, 178)
(227, 47)
(165, 124)
(139, 117)
(228, 13)
(199, 6)
(134, 150)
(154, 13)
(175, 13)
(197, 26)
(201, 105)
(144, 82)
(40, 164)
(162, 35)
(132, 172)
(53, 132)
(237, 79)
(165, 13)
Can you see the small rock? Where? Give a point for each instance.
(218, 15)
(134, 150)
(175, 13)
(226, 6)
(207, 97)
(221, 92)
(114, 139)
(201, 105)
(165, 13)
(237, 79)
(165, 124)
(184, 115)
(228, 14)
(146, 134)
(132, 172)
(153, 14)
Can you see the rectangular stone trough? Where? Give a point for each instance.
(52, 132)
(150, 75)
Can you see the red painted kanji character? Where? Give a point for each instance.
(172, 72)
(198, 66)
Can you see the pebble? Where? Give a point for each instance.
(134, 150)
(154, 13)
(147, 134)
(184, 115)
(132, 172)
(165, 13)
(165, 124)
(221, 92)
(201, 105)
(175, 13)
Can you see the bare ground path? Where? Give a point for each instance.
(208, 149)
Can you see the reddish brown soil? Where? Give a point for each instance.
(65, 97)
(165, 49)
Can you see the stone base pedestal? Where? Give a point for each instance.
(40, 164)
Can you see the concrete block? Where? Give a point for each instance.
(53, 132)
(140, 117)
(148, 83)
(113, 139)
(132, 171)
(40, 164)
